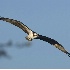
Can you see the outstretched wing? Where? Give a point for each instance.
(53, 42)
(17, 23)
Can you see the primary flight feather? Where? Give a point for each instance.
(33, 35)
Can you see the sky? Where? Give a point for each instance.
(49, 18)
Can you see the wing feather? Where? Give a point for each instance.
(17, 23)
(53, 42)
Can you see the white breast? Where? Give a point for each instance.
(30, 35)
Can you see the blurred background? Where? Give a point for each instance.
(50, 18)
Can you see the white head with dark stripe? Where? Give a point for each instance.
(31, 36)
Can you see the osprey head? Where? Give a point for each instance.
(31, 36)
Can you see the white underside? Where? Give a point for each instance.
(31, 35)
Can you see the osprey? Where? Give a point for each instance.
(33, 35)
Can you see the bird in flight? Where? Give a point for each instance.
(33, 35)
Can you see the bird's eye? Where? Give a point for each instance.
(35, 34)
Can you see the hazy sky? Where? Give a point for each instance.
(47, 17)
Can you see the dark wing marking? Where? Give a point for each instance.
(17, 23)
(53, 42)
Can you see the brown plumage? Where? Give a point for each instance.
(54, 43)
(33, 35)
(16, 23)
